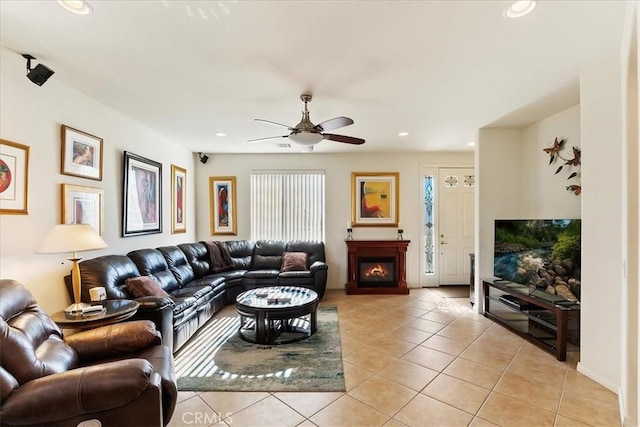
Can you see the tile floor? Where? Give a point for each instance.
(421, 360)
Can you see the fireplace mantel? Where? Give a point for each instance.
(376, 248)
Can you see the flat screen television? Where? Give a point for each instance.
(543, 254)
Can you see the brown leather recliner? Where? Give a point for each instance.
(119, 374)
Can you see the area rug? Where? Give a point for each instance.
(217, 359)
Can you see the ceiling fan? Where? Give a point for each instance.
(307, 134)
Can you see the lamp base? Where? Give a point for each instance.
(77, 308)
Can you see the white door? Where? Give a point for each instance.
(455, 224)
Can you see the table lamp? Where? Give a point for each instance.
(72, 238)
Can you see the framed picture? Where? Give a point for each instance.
(222, 194)
(83, 205)
(374, 199)
(81, 154)
(142, 196)
(14, 177)
(178, 199)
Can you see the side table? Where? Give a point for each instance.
(115, 310)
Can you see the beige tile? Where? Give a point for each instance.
(562, 421)
(426, 325)
(394, 423)
(370, 358)
(426, 411)
(184, 395)
(225, 402)
(589, 410)
(444, 344)
(429, 358)
(308, 404)
(440, 317)
(390, 344)
(505, 411)
(348, 412)
(551, 370)
(306, 423)
(473, 372)
(537, 393)
(578, 383)
(459, 333)
(195, 412)
(479, 422)
(488, 354)
(383, 394)
(460, 394)
(412, 335)
(267, 412)
(354, 375)
(409, 374)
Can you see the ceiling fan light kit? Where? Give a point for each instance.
(307, 134)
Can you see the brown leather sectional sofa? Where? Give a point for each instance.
(196, 288)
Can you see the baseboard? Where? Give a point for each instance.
(594, 376)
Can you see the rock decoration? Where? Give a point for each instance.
(558, 278)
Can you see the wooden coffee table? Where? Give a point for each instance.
(277, 314)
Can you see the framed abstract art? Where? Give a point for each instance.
(83, 205)
(178, 199)
(222, 195)
(374, 199)
(14, 177)
(81, 154)
(142, 196)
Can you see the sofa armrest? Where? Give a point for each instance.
(114, 340)
(154, 303)
(80, 392)
(317, 266)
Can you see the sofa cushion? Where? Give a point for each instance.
(151, 262)
(145, 286)
(261, 262)
(178, 264)
(197, 256)
(241, 252)
(294, 261)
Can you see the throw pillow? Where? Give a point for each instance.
(145, 286)
(294, 261)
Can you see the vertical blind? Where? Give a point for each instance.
(287, 205)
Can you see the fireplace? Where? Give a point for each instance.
(377, 267)
(376, 272)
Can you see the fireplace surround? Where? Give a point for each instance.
(376, 267)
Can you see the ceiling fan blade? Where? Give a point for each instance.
(274, 123)
(335, 123)
(253, 141)
(343, 138)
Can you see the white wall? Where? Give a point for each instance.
(338, 168)
(33, 115)
(601, 126)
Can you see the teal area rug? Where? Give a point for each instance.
(217, 359)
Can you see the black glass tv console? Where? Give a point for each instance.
(549, 321)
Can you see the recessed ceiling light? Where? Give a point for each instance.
(520, 8)
(79, 7)
(221, 134)
(403, 133)
(471, 144)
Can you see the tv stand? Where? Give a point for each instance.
(546, 320)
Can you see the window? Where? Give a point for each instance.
(287, 205)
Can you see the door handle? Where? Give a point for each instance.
(442, 242)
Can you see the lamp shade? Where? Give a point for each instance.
(64, 238)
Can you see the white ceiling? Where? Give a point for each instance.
(437, 69)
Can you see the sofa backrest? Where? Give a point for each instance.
(241, 252)
(314, 249)
(178, 264)
(267, 254)
(110, 271)
(197, 257)
(151, 262)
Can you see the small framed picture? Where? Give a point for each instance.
(222, 194)
(81, 154)
(374, 199)
(178, 199)
(83, 205)
(142, 196)
(14, 177)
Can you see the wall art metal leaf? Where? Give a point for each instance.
(573, 164)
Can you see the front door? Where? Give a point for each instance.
(455, 232)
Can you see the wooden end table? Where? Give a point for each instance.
(115, 310)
